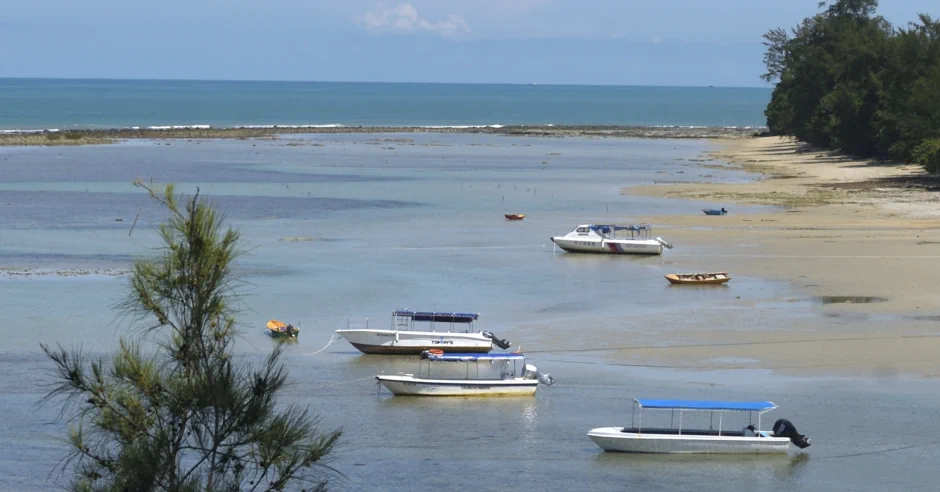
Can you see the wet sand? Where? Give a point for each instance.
(857, 242)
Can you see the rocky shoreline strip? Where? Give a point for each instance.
(106, 136)
(28, 273)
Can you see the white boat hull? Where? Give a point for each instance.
(614, 439)
(415, 342)
(610, 246)
(407, 385)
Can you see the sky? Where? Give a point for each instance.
(610, 42)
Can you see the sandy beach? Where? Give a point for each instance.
(857, 241)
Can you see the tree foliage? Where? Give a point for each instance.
(848, 80)
(185, 416)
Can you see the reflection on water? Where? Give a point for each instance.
(737, 472)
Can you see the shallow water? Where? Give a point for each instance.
(420, 226)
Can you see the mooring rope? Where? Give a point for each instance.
(590, 386)
(342, 382)
(881, 451)
(325, 346)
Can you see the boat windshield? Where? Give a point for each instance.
(404, 320)
(637, 231)
(496, 366)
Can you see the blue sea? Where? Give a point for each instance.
(32, 104)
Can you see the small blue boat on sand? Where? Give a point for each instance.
(711, 211)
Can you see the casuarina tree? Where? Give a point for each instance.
(848, 80)
(177, 410)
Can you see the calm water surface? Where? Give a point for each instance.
(416, 222)
(64, 103)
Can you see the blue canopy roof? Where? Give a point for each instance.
(469, 357)
(439, 317)
(731, 406)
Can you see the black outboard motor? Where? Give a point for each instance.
(785, 428)
(499, 342)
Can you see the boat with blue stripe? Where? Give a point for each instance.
(678, 438)
(412, 332)
(612, 239)
(468, 374)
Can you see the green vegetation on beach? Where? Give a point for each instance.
(848, 80)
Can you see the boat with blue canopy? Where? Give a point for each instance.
(717, 438)
(412, 332)
(612, 239)
(468, 374)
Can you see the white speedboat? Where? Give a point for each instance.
(452, 374)
(612, 239)
(451, 332)
(680, 440)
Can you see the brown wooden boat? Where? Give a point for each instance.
(698, 278)
(515, 216)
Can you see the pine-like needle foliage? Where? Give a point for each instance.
(185, 416)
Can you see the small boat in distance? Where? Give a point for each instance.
(515, 216)
(712, 211)
(612, 239)
(456, 335)
(453, 374)
(672, 440)
(698, 278)
(279, 329)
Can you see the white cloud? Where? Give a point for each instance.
(404, 18)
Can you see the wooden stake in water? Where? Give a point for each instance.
(132, 225)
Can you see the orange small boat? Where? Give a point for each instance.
(515, 216)
(279, 329)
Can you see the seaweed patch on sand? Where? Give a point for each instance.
(29, 273)
(296, 239)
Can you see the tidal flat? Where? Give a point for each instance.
(343, 227)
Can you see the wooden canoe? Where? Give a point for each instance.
(515, 216)
(278, 329)
(698, 278)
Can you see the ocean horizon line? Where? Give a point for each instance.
(374, 82)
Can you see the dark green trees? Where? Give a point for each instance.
(847, 80)
(186, 416)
